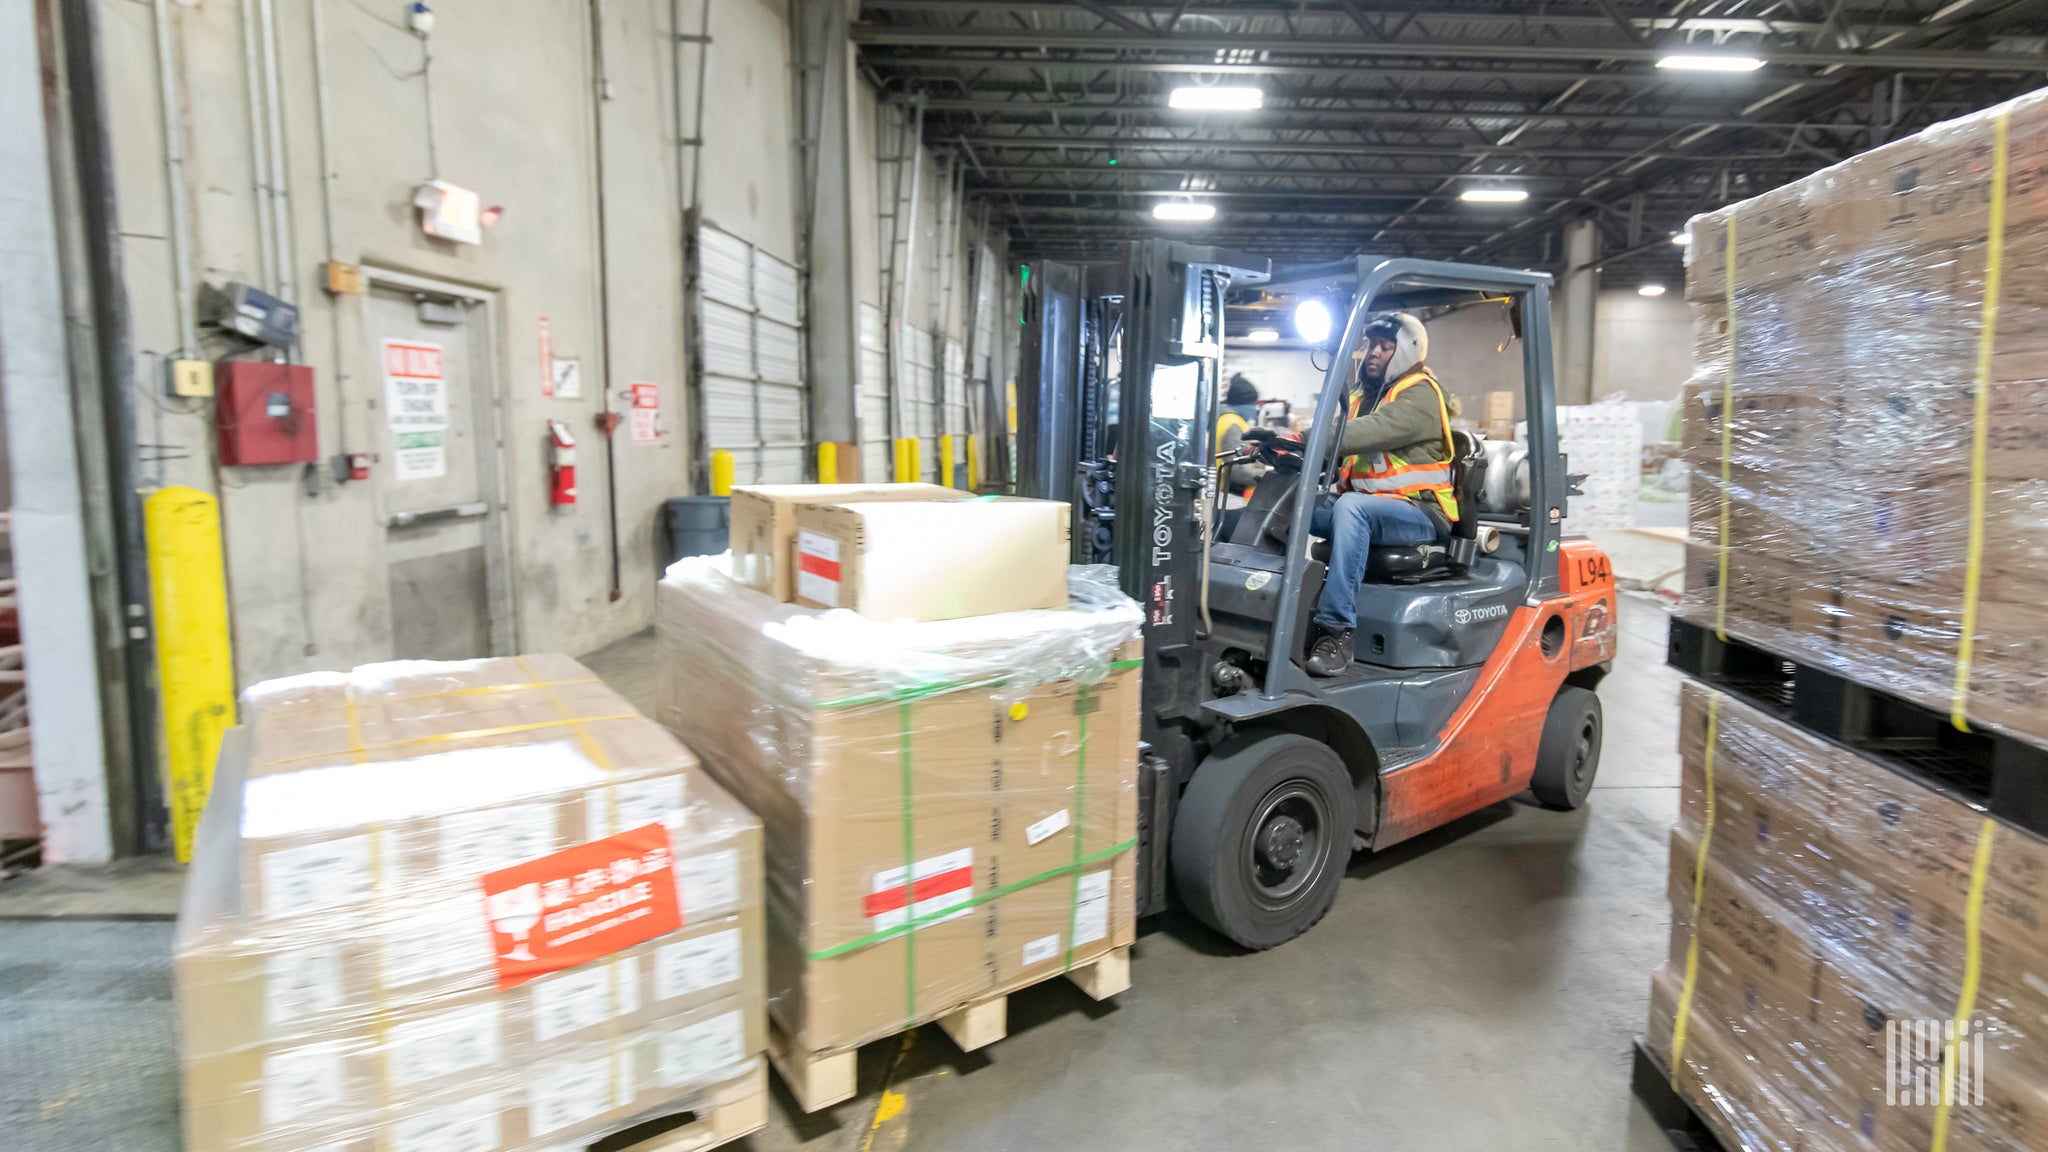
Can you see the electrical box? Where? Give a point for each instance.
(264, 413)
(257, 315)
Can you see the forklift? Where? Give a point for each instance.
(1474, 660)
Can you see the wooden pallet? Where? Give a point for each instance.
(742, 1112)
(1687, 1130)
(822, 1079)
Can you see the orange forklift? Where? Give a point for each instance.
(1474, 661)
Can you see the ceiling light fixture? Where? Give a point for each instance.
(1650, 290)
(1494, 195)
(1216, 98)
(1704, 62)
(1183, 211)
(1262, 336)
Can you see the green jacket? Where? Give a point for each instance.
(1411, 427)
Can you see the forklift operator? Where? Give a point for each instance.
(1395, 484)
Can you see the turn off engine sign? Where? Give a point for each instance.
(581, 903)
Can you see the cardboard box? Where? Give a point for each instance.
(992, 760)
(933, 561)
(338, 977)
(1500, 406)
(764, 524)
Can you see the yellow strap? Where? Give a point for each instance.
(1699, 888)
(1727, 439)
(1973, 963)
(1973, 567)
(447, 737)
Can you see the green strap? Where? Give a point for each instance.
(909, 879)
(917, 922)
(1080, 796)
(934, 688)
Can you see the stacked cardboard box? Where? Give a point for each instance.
(950, 807)
(1831, 929)
(1831, 517)
(346, 980)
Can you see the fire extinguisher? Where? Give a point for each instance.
(562, 460)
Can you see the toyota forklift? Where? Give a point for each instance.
(1474, 660)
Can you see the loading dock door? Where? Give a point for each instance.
(751, 359)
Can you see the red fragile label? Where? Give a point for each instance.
(581, 903)
(940, 882)
(817, 565)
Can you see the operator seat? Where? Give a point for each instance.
(1399, 563)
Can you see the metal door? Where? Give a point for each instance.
(437, 476)
(751, 358)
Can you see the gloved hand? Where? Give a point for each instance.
(1257, 435)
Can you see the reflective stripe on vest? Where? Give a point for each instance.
(1385, 474)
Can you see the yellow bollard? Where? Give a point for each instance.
(195, 664)
(909, 469)
(828, 463)
(721, 473)
(973, 465)
(946, 460)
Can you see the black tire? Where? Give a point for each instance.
(1569, 755)
(1262, 837)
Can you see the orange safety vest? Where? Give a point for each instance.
(1385, 474)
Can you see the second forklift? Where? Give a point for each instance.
(1474, 661)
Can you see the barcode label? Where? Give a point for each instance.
(1043, 948)
(708, 884)
(702, 1051)
(572, 1001)
(1091, 908)
(443, 1044)
(315, 876)
(470, 1126)
(688, 966)
(1047, 827)
(299, 1083)
(299, 983)
(473, 843)
(565, 1094)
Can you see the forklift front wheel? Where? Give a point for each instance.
(1262, 836)
(1569, 753)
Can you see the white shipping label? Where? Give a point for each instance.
(468, 1126)
(626, 984)
(688, 966)
(937, 884)
(1046, 827)
(702, 1051)
(443, 940)
(571, 1001)
(1174, 389)
(709, 884)
(1091, 908)
(1043, 948)
(565, 1094)
(299, 983)
(473, 843)
(299, 1083)
(641, 802)
(315, 876)
(817, 568)
(443, 1044)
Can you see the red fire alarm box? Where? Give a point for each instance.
(264, 413)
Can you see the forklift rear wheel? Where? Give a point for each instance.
(1262, 837)
(1570, 752)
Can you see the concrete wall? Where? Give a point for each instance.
(513, 117)
(1642, 345)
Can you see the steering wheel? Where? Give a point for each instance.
(1283, 453)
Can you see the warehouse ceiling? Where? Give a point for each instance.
(1378, 117)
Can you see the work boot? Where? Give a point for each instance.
(1330, 655)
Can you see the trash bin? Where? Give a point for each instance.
(697, 526)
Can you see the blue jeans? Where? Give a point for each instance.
(1352, 523)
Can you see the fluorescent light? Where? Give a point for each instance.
(1262, 336)
(1650, 290)
(1700, 62)
(1216, 98)
(1682, 239)
(1183, 211)
(1312, 321)
(1494, 195)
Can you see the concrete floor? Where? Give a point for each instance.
(1478, 987)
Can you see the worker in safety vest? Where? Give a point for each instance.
(1240, 413)
(1395, 484)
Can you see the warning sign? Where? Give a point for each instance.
(415, 386)
(418, 456)
(646, 416)
(581, 903)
